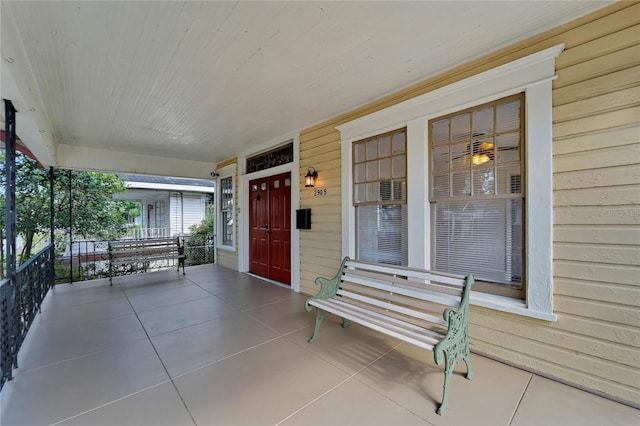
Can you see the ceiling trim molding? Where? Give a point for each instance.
(81, 158)
(169, 187)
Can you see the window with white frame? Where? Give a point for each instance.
(159, 213)
(380, 198)
(508, 200)
(476, 194)
(226, 211)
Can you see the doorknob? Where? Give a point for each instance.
(265, 228)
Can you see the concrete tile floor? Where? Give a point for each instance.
(216, 347)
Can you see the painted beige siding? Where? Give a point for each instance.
(320, 246)
(225, 257)
(595, 344)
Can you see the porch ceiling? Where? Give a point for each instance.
(172, 88)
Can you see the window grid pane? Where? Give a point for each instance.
(380, 188)
(476, 191)
(226, 210)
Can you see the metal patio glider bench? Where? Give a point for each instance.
(143, 252)
(425, 308)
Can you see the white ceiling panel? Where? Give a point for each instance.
(202, 81)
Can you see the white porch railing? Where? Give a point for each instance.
(141, 233)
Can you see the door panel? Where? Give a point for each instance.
(270, 227)
(258, 222)
(280, 233)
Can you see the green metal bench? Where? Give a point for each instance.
(144, 252)
(425, 308)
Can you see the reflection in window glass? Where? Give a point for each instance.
(476, 190)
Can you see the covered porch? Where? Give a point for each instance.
(221, 347)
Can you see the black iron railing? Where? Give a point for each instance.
(20, 301)
(82, 260)
(89, 259)
(198, 249)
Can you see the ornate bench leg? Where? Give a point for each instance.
(448, 370)
(345, 323)
(320, 314)
(467, 360)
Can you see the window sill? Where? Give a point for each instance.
(512, 306)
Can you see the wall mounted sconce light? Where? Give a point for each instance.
(310, 178)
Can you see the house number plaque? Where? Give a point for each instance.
(319, 192)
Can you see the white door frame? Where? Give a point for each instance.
(243, 206)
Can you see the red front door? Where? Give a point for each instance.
(270, 227)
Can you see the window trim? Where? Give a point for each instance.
(225, 173)
(533, 75)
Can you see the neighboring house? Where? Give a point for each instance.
(169, 206)
(539, 198)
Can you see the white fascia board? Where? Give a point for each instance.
(80, 158)
(169, 187)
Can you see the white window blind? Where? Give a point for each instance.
(380, 198)
(477, 192)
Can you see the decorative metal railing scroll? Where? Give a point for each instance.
(20, 299)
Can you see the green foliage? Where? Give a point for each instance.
(198, 247)
(94, 212)
(130, 209)
(203, 228)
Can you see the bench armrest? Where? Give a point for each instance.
(456, 342)
(328, 287)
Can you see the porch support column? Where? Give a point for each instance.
(52, 220)
(10, 189)
(70, 174)
(51, 206)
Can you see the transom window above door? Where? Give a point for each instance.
(273, 158)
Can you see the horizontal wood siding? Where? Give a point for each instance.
(595, 344)
(227, 258)
(596, 119)
(186, 210)
(320, 246)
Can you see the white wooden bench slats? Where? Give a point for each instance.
(443, 278)
(393, 307)
(405, 290)
(126, 252)
(398, 299)
(388, 325)
(410, 281)
(424, 308)
(144, 256)
(395, 312)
